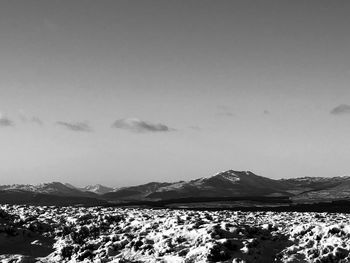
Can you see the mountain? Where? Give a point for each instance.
(243, 185)
(304, 184)
(318, 189)
(54, 188)
(225, 184)
(337, 188)
(54, 193)
(135, 192)
(70, 186)
(97, 189)
(238, 184)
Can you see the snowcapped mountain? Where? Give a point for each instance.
(315, 181)
(97, 189)
(54, 193)
(225, 184)
(54, 188)
(58, 188)
(301, 185)
(337, 188)
(235, 184)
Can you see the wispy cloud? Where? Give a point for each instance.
(37, 121)
(136, 125)
(196, 128)
(5, 122)
(22, 117)
(76, 126)
(225, 111)
(34, 120)
(342, 109)
(25, 119)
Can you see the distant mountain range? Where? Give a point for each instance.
(235, 184)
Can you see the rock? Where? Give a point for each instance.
(341, 253)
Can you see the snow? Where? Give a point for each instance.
(98, 189)
(171, 187)
(231, 178)
(106, 234)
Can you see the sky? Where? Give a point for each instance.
(127, 92)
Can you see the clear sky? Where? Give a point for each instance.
(127, 92)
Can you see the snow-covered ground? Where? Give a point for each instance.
(77, 234)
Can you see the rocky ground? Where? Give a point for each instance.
(77, 234)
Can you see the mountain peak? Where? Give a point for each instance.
(236, 172)
(233, 173)
(97, 189)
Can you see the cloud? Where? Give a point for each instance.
(196, 128)
(75, 126)
(136, 125)
(225, 111)
(5, 122)
(25, 119)
(37, 121)
(266, 112)
(341, 109)
(22, 117)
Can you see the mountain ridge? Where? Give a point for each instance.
(224, 184)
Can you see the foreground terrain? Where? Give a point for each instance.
(96, 234)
